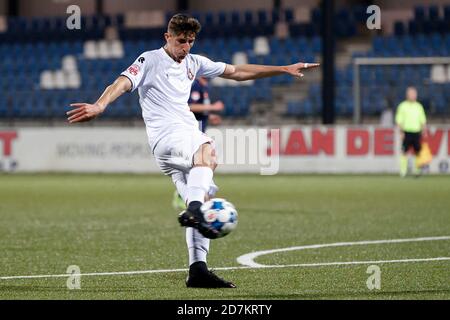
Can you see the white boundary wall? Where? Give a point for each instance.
(302, 149)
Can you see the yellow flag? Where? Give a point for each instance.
(425, 155)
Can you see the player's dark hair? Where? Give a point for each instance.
(183, 24)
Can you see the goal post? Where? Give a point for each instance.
(359, 62)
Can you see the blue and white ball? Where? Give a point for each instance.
(221, 214)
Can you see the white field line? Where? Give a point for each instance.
(226, 268)
(248, 259)
(258, 266)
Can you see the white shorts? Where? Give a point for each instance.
(175, 151)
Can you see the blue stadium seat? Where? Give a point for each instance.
(235, 18)
(17, 24)
(3, 110)
(233, 44)
(433, 13)
(228, 102)
(119, 20)
(300, 108)
(431, 26)
(199, 16)
(415, 27)
(443, 26)
(248, 18)
(262, 17)
(247, 44)
(344, 15)
(222, 18)
(209, 18)
(288, 15)
(316, 44)
(293, 108)
(298, 29)
(399, 28)
(447, 13)
(168, 15)
(275, 15)
(419, 13)
(316, 16)
(359, 13)
(308, 108)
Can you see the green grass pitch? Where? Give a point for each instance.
(115, 223)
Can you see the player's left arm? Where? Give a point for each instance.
(255, 71)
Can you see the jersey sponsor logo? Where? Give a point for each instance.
(141, 59)
(134, 69)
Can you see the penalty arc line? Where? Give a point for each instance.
(249, 258)
(248, 263)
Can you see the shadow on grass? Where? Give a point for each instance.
(143, 292)
(347, 295)
(49, 289)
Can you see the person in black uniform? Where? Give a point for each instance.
(205, 111)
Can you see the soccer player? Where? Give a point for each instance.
(163, 78)
(411, 120)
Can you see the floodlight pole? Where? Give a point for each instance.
(13, 8)
(356, 94)
(328, 62)
(99, 7)
(183, 5)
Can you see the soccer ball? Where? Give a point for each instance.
(220, 214)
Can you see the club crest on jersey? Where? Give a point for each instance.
(190, 74)
(134, 69)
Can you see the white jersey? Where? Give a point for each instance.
(164, 88)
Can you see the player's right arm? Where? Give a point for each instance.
(84, 111)
(128, 81)
(399, 117)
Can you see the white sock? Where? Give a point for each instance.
(180, 181)
(198, 246)
(213, 188)
(198, 183)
